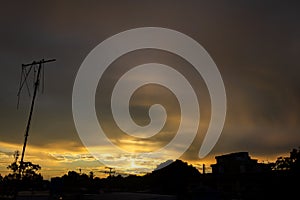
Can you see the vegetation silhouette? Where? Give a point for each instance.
(291, 163)
(178, 180)
(22, 177)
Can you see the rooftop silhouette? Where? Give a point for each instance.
(234, 176)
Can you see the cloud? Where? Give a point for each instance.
(72, 157)
(255, 47)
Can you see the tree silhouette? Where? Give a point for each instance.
(289, 163)
(21, 177)
(295, 159)
(91, 175)
(282, 163)
(29, 171)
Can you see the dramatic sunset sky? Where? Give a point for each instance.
(255, 45)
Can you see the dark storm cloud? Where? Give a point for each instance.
(255, 44)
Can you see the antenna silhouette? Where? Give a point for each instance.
(110, 172)
(37, 68)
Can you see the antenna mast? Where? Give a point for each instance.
(110, 172)
(37, 68)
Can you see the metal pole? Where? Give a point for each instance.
(36, 84)
(38, 62)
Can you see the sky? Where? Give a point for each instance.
(255, 45)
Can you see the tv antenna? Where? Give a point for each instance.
(37, 68)
(110, 172)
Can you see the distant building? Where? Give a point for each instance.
(237, 163)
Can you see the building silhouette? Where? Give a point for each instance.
(237, 163)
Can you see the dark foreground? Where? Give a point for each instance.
(235, 176)
(104, 196)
